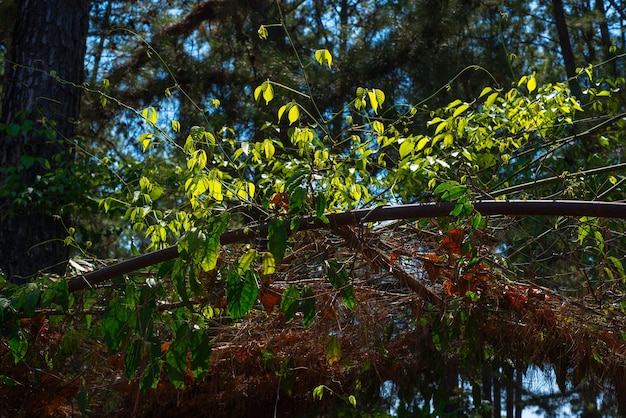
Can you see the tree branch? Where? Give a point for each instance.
(376, 214)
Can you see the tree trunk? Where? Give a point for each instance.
(566, 47)
(39, 113)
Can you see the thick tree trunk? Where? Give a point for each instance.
(47, 51)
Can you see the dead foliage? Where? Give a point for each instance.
(418, 306)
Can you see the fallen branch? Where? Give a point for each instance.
(376, 214)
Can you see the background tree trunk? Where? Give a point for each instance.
(47, 49)
(567, 52)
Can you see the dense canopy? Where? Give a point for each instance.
(313, 208)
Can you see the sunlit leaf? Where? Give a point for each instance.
(485, 91)
(531, 85)
(318, 392)
(460, 109)
(294, 114)
(150, 114)
(268, 263)
(323, 56)
(246, 260)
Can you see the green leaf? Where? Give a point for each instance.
(81, 400)
(422, 143)
(491, 99)
(337, 274)
(151, 374)
(200, 346)
(450, 191)
(333, 349)
(268, 92)
(352, 400)
(116, 322)
(18, 346)
(57, 292)
(216, 227)
(380, 96)
(318, 392)
(179, 277)
(478, 222)
(347, 297)
(290, 303)
(176, 357)
(296, 200)
(584, 228)
(8, 381)
(308, 306)
(618, 265)
(132, 357)
(240, 293)
(320, 207)
(277, 239)
(27, 298)
(27, 161)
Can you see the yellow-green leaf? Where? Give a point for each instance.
(323, 56)
(268, 263)
(268, 93)
(421, 143)
(150, 114)
(531, 85)
(406, 147)
(333, 350)
(378, 127)
(491, 99)
(144, 140)
(485, 91)
(294, 113)
(380, 96)
(282, 109)
(460, 109)
(245, 261)
(373, 100)
(268, 148)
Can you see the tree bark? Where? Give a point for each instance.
(39, 113)
(567, 52)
